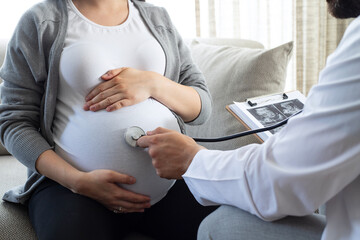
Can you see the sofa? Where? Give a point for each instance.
(235, 69)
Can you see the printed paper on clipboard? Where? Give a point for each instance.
(268, 110)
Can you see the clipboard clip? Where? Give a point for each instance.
(252, 102)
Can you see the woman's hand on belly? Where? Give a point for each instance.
(121, 87)
(128, 86)
(102, 185)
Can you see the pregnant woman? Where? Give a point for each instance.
(77, 74)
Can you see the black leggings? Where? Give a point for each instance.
(58, 213)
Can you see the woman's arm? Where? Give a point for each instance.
(128, 86)
(100, 185)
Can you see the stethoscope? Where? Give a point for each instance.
(134, 133)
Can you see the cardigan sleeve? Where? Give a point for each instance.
(180, 66)
(24, 75)
(191, 75)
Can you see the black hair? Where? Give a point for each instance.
(344, 8)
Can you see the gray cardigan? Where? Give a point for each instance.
(31, 75)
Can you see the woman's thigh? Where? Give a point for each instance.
(58, 213)
(230, 223)
(177, 216)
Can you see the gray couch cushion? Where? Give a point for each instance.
(13, 217)
(15, 222)
(3, 151)
(234, 74)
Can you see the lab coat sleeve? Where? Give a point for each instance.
(281, 177)
(314, 157)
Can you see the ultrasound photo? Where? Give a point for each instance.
(289, 108)
(272, 114)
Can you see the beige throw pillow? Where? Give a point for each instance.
(234, 74)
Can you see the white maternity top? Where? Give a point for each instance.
(95, 140)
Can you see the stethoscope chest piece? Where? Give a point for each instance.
(132, 134)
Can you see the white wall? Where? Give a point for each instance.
(10, 13)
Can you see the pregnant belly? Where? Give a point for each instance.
(95, 140)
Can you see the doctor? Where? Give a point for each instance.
(313, 160)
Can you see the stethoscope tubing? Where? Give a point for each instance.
(246, 133)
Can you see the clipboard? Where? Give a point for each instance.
(266, 110)
(243, 123)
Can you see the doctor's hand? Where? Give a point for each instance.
(102, 186)
(171, 151)
(121, 87)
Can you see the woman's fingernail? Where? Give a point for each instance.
(132, 180)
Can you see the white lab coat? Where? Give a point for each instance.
(313, 160)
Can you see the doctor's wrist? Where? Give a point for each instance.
(192, 150)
